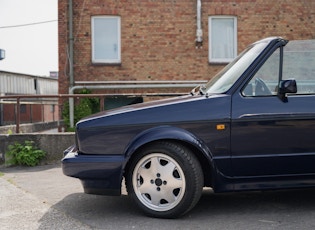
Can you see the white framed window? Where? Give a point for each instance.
(106, 39)
(222, 38)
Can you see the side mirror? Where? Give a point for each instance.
(286, 86)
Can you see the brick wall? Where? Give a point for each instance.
(158, 36)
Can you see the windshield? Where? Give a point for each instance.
(224, 80)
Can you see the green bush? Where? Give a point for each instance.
(24, 154)
(84, 108)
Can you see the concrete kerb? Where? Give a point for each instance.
(52, 143)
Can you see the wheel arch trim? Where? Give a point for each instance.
(167, 133)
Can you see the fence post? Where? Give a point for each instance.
(18, 115)
(102, 104)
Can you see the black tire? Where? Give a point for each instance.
(165, 180)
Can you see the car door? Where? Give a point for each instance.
(272, 136)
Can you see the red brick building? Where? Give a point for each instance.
(169, 39)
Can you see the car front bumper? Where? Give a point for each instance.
(99, 174)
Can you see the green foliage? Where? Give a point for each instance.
(84, 108)
(24, 154)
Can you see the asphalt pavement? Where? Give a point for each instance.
(43, 198)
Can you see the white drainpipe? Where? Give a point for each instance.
(199, 30)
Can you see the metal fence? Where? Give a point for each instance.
(57, 100)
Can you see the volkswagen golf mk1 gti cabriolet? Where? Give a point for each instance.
(251, 127)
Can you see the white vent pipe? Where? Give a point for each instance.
(199, 30)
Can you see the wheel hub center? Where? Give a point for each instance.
(158, 182)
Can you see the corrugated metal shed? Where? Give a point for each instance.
(16, 83)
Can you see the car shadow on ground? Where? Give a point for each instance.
(259, 210)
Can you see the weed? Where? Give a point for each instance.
(24, 154)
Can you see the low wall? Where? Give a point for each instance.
(30, 128)
(53, 144)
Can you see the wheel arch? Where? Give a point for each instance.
(174, 135)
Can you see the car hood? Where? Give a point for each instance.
(167, 110)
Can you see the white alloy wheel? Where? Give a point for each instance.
(164, 179)
(159, 182)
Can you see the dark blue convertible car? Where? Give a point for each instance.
(251, 127)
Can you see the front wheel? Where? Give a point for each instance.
(165, 180)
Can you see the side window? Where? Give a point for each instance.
(106, 39)
(299, 64)
(222, 39)
(265, 81)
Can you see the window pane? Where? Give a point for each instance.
(265, 81)
(222, 39)
(298, 64)
(106, 39)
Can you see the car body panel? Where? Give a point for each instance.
(155, 127)
(279, 136)
(244, 141)
(125, 125)
(96, 172)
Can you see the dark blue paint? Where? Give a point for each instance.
(267, 143)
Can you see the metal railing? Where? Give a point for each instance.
(22, 99)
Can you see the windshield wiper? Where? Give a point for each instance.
(199, 89)
(202, 90)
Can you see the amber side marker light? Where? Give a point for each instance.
(220, 127)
